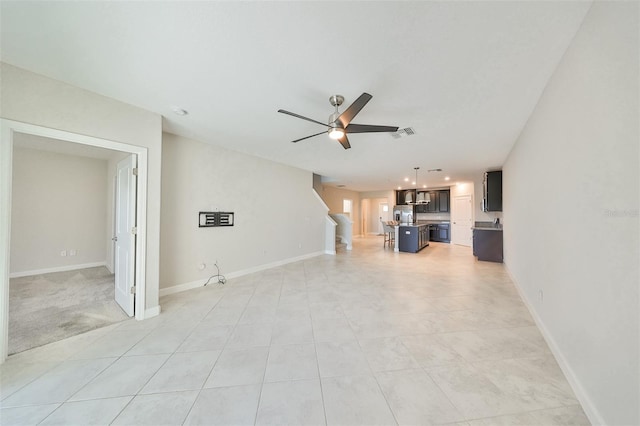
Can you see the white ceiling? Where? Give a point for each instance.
(465, 75)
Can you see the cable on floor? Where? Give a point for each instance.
(221, 278)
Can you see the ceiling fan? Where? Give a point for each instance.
(339, 125)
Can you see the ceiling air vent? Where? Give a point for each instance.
(407, 131)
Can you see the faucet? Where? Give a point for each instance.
(410, 218)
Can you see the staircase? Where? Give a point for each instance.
(340, 246)
(344, 229)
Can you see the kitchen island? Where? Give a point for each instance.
(412, 238)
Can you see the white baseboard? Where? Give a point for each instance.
(331, 252)
(152, 312)
(56, 269)
(182, 287)
(199, 283)
(589, 408)
(273, 264)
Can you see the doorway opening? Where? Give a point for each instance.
(12, 131)
(384, 214)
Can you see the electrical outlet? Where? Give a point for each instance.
(63, 253)
(72, 252)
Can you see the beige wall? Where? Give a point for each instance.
(571, 186)
(38, 100)
(58, 204)
(370, 204)
(278, 216)
(334, 197)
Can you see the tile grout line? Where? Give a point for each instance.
(315, 348)
(255, 418)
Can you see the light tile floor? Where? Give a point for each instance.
(365, 337)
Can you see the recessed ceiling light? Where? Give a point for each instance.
(406, 179)
(447, 178)
(424, 186)
(399, 187)
(180, 111)
(413, 183)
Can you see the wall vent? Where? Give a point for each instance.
(407, 131)
(211, 219)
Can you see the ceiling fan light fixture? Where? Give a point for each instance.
(336, 133)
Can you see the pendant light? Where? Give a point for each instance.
(419, 195)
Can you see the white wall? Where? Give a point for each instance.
(463, 188)
(373, 218)
(38, 100)
(278, 216)
(571, 187)
(58, 203)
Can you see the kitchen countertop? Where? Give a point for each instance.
(414, 225)
(487, 226)
(425, 222)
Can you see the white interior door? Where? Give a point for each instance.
(462, 221)
(124, 238)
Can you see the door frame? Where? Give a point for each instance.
(7, 129)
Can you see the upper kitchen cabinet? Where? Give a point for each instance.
(436, 201)
(492, 201)
(443, 201)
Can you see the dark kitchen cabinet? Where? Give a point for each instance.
(487, 244)
(443, 233)
(440, 232)
(402, 196)
(438, 200)
(432, 207)
(492, 186)
(443, 201)
(413, 238)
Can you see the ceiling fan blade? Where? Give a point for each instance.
(304, 118)
(344, 142)
(346, 117)
(307, 137)
(368, 128)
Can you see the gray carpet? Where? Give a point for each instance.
(51, 307)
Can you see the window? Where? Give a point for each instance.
(346, 207)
